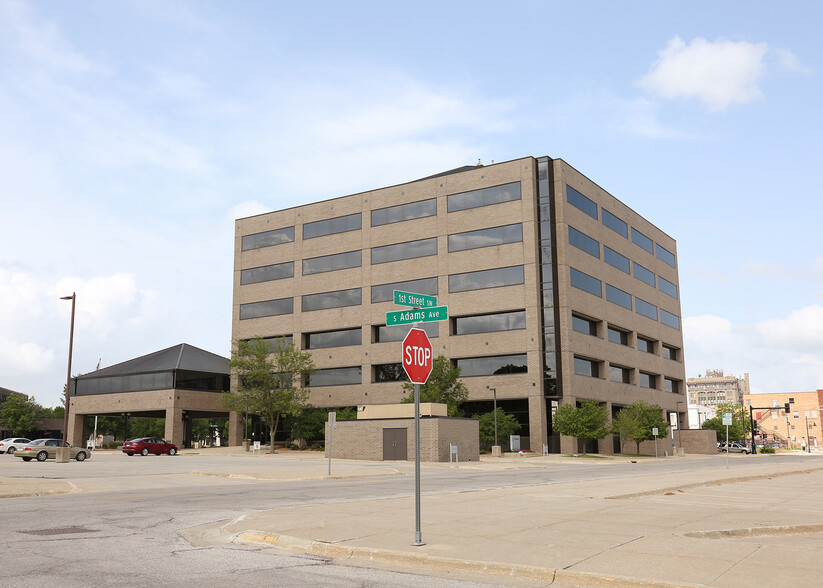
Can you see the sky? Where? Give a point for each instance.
(133, 133)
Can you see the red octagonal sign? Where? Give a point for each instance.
(417, 356)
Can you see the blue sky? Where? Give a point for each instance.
(132, 134)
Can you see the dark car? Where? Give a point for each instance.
(146, 445)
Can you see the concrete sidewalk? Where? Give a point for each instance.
(761, 524)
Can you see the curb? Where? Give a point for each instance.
(719, 482)
(385, 556)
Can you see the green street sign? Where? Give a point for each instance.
(416, 300)
(423, 315)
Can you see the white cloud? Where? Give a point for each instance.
(790, 62)
(758, 269)
(640, 117)
(802, 330)
(719, 73)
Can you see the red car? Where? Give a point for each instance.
(146, 445)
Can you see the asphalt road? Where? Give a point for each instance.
(124, 528)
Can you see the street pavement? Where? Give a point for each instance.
(759, 522)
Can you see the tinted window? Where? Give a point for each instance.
(642, 240)
(408, 250)
(584, 242)
(586, 283)
(330, 263)
(646, 380)
(336, 377)
(333, 338)
(585, 367)
(484, 197)
(670, 352)
(618, 336)
(493, 278)
(666, 287)
(670, 385)
(644, 275)
(403, 212)
(266, 308)
(618, 296)
(486, 237)
(619, 374)
(669, 319)
(504, 321)
(389, 372)
(399, 332)
(665, 255)
(615, 224)
(385, 292)
(490, 366)
(614, 259)
(580, 202)
(268, 238)
(267, 273)
(583, 325)
(646, 309)
(645, 345)
(336, 299)
(341, 224)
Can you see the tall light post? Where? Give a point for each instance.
(494, 390)
(73, 299)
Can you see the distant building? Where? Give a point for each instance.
(716, 388)
(699, 414)
(798, 427)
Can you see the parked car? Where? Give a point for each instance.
(43, 449)
(146, 445)
(13, 444)
(734, 447)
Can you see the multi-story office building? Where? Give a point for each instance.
(557, 291)
(715, 388)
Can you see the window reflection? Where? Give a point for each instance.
(333, 338)
(267, 273)
(586, 283)
(268, 238)
(486, 238)
(580, 202)
(385, 292)
(493, 278)
(403, 212)
(484, 197)
(330, 263)
(490, 366)
(408, 250)
(266, 308)
(337, 299)
(341, 224)
(583, 241)
(504, 321)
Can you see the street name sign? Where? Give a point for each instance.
(417, 356)
(416, 300)
(422, 315)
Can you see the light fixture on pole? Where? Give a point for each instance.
(496, 448)
(73, 299)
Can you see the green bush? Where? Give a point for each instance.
(767, 449)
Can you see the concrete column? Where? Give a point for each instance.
(538, 425)
(235, 429)
(76, 430)
(174, 426)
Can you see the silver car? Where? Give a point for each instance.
(43, 449)
(12, 444)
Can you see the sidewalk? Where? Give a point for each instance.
(757, 525)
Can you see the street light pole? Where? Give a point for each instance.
(73, 299)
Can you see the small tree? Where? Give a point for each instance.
(270, 379)
(636, 422)
(20, 414)
(506, 425)
(442, 386)
(310, 424)
(587, 421)
(741, 425)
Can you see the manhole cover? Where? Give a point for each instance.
(60, 531)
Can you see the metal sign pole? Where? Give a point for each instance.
(332, 420)
(418, 540)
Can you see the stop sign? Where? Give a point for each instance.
(417, 356)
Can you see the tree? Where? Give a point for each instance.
(506, 425)
(740, 428)
(20, 414)
(637, 421)
(587, 421)
(270, 379)
(310, 424)
(442, 386)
